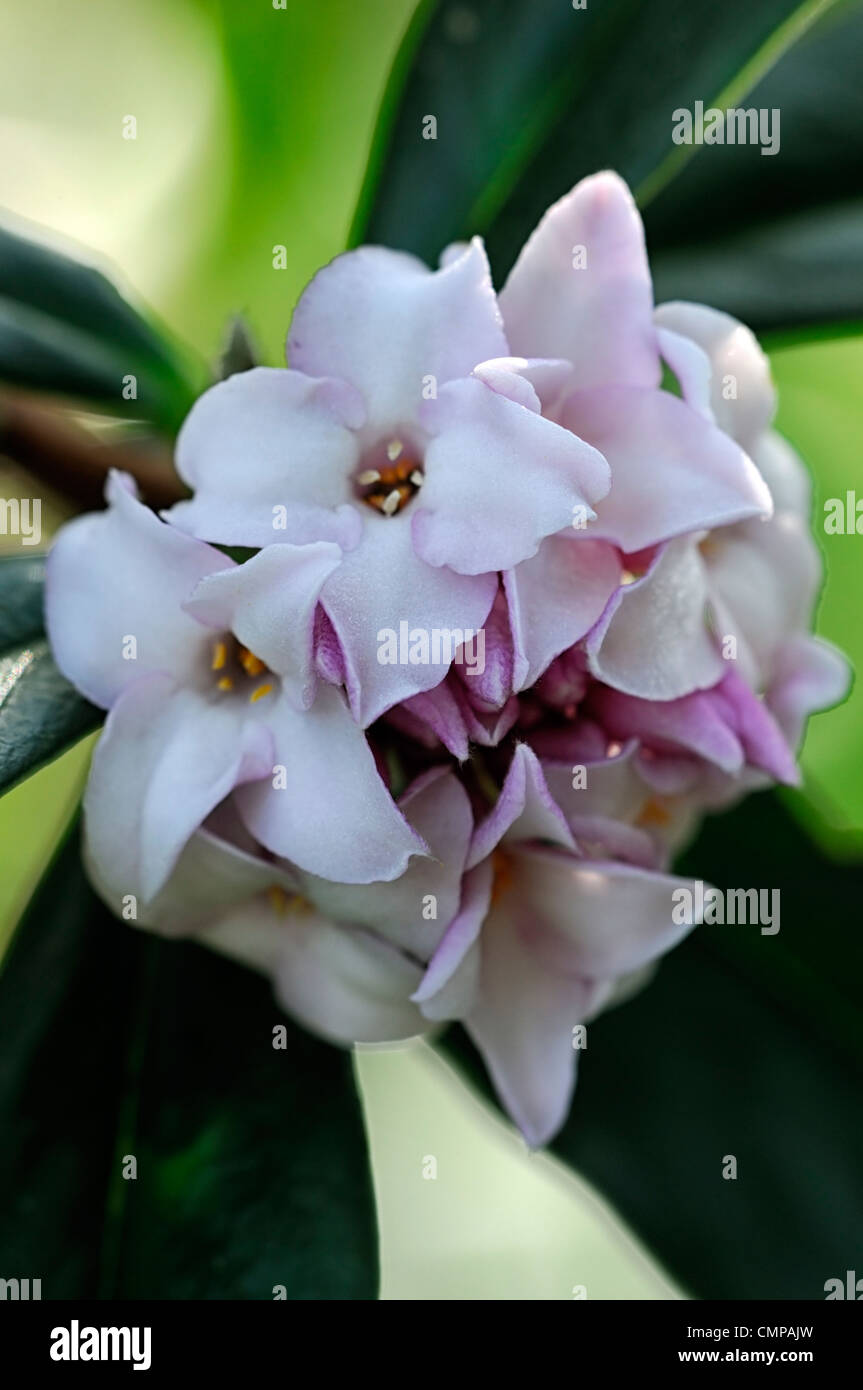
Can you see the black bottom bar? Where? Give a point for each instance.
(160, 1339)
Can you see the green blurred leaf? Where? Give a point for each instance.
(41, 714)
(818, 383)
(251, 1162)
(743, 1045)
(301, 88)
(22, 581)
(529, 98)
(65, 328)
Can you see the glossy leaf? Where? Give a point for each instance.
(251, 1170)
(41, 714)
(777, 239)
(22, 581)
(65, 328)
(744, 1046)
(529, 98)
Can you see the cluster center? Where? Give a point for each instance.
(234, 667)
(389, 482)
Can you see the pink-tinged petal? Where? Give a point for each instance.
(449, 986)
(785, 474)
(762, 739)
(346, 986)
(525, 810)
(555, 598)
(484, 727)
(727, 725)
(269, 603)
(671, 775)
(563, 685)
(534, 382)
(583, 741)
(271, 454)
(329, 657)
(488, 680)
(809, 675)
(691, 365)
(402, 718)
(414, 910)
(581, 288)
(386, 323)
(653, 640)
(763, 584)
(256, 524)
(600, 838)
(211, 877)
(489, 458)
(498, 374)
(596, 919)
(383, 584)
(523, 1023)
(694, 722)
(451, 253)
(333, 816)
(166, 758)
(612, 790)
(742, 394)
(122, 574)
(433, 717)
(672, 472)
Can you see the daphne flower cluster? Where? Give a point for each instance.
(592, 487)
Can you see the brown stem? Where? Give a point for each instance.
(74, 461)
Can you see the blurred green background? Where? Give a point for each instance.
(230, 160)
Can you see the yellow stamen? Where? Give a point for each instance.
(251, 664)
(220, 655)
(225, 683)
(283, 902)
(654, 812)
(502, 869)
(278, 897)
(261, 691)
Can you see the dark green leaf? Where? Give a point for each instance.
(251, 1163)
(806, 269)
(528, 98)
(22, 582)
(777, 240)
(743, 1045)
(41, 714)
(65, 328)
(65, 994)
